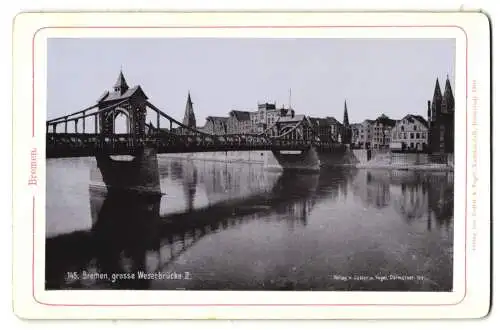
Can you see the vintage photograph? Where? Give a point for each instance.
(255, 164)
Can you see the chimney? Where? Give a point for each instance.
(292, 113)
(429, 110)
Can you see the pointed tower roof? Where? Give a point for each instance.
(448, 95)
(189, 117)
(437, 90)
(121, 84)
(346, 116)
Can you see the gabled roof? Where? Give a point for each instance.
(290, 119)
(333, 121)
(386, 121)
(319, 121)
(412, 118)
(116, 96)
(240, 115)
(215, 118)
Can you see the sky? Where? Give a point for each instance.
(374, 76)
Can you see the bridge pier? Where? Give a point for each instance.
(140, 174)
(305, 160)
(314, 158)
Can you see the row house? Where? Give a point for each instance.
(239, 122)
(365, 134)
(355, 135)
(382, 130)
(411, 133)
(321, 128)
(266, 116)
(215, 125)
(335, 129)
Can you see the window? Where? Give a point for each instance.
(414, 127)
(423, 135)
(411, 136)
(418, 135)
(404, 135)
(411, 145)
(402, 128)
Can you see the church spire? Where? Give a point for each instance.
(121, 84)
(346, 130)
(189, 118)
(346, 116)
(448, 95)
(437, 90)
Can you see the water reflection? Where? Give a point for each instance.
(228, 206)
(414, 195)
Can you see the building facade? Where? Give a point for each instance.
(411, 133)
(298, 127)
(321, 129)
(239, 122)
(215, 125)
(365, 134)
(382, 132)
(335, 129)
(441, 120)
(356, 131)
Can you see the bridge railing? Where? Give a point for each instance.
(89, 144)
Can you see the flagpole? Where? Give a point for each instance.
(289, 98)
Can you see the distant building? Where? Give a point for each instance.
(365, 134)
(441, 117)
(266, 116)
(215, 125)
(355, 138)
(382, 129)
(346, 129)
(239, 122)
(335, 129)
(321, 128)
(299, 126)
(411, 133)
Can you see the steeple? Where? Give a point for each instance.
(189, 118)
(346, 116)
(121, 84)
(346, 130)
(437, 91)
(448, 96)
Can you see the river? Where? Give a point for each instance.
(221, 226)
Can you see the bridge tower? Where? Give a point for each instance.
(130, 102)
(141, 173)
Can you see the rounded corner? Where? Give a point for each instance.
(486, 15)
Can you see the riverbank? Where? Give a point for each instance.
(422, 167)
(356, 160)
(245, 157)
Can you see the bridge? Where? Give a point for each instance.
(93, 130)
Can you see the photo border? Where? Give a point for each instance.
(34, 135)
